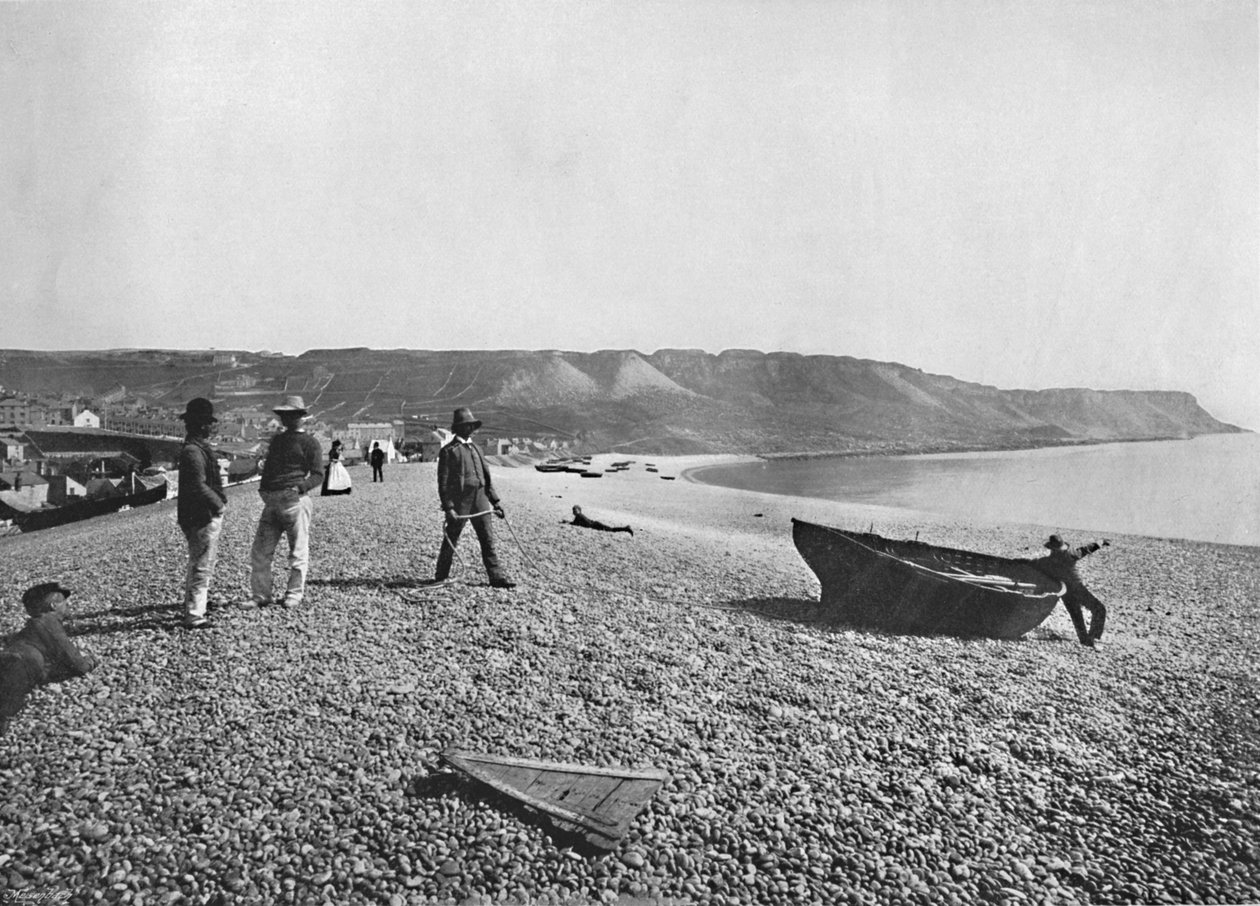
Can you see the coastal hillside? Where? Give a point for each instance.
(671, 401)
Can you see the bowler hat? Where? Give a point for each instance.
(35, 597)
(464, 416)
(1055, 542)
(199, 410)
(291, 404)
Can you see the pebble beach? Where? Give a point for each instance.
(291, 755)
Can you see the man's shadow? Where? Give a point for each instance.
(170, 622)
(376, 582)
(125, 619)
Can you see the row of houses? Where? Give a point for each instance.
(18, 412)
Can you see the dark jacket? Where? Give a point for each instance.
(201, 496)
(294, 460)
(1061, 563)
(464, 479)
(378, 456)
(40, 653)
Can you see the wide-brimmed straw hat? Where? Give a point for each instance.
(35, 598)
(291, 404)
(199, 410)
(464, 416)
(1055, 543)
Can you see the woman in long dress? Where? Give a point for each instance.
(336, 477)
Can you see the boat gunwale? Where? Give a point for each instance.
(854, 538)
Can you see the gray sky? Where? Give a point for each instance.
(1027, 194)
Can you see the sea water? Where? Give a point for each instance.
(1203, 489)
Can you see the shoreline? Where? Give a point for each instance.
(1200, 522)
(934, 449)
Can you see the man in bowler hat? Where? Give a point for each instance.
(200, 508)
(1060, 564)
(467, 495)
(294, 465)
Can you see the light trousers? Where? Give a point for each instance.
(203, 551)
(285, 513)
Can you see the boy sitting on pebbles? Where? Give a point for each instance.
(41, 652)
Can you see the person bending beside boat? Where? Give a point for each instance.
(1060, 564)
(200, 507)
(41, 652)
(581, 521)
(467, 495)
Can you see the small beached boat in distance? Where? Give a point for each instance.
(149, 490)
(915, 587)
(598, 803)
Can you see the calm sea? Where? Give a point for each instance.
(1205, 489)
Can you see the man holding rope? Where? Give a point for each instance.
(467, 495)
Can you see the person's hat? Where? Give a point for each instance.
(464, 416)
(291, 404)
(1055, 542)
(199, 410)
(35, 598)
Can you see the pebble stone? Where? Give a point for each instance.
(291, 756)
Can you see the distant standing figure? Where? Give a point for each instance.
(467, 495)
(200, 507)
(337, 478)
(294, 466)
(1060, 564)
(41, 652)
(582, 522)
(378, 462)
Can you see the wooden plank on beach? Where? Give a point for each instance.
(599, 802)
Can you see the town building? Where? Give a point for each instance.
(25, 486)
(145, 425)
(359, 433)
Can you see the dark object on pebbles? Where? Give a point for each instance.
(598, 803)
(149, 490)
(914, 587)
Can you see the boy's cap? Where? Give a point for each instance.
(37, 594)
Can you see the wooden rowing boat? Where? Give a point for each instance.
(597, 803)
(151, 491)
(914, 587)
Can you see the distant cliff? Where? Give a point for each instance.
(671, 401)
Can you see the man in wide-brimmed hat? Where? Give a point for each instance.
(294, 465)
(467, 495)
(1060, 564)
(200, 508)
(40, 652)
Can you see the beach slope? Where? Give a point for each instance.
(291, 755)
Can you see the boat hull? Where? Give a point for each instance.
(87, 509)
(913, 587)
